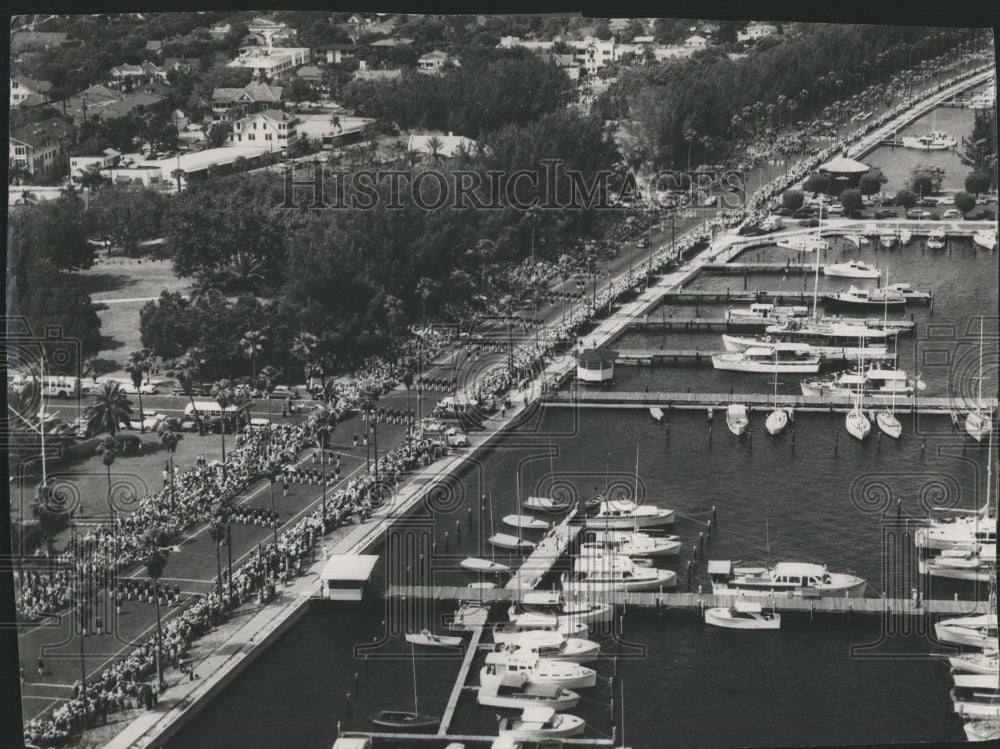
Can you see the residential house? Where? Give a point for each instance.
(696, 42)
(28, 91)
(272, 63)
(182, 64)
(433, 61)
(590, 54)
(81, 165)
(364, 73)
(447, 145)
(335, 54)
(88, 102)
(219, 31)
(272, 129)
(234, 103)
(126, 76)
(756, 30)
(310, 73)
(39, 146)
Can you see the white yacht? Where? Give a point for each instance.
(933, 141)
(788, 358)
(539, 670)
(482, 565)
(851, 269)
(766, 311)
(985, 238)
(905, 236)
(952, 533)
(742, 615)
(977, 696)
(978, 631)
(540, 606)
(985, 662)
(785, 578)
(887, 238)
(429, 639)
(635, 544)
(829, 340)
(737, 419)
(508, 631)
(539, 723)
(516, 692)
(551, 645)
(553, 505)
(877, 380)
(979, 422)
(936, 239)
(884, 297)
(525, 522)
(616, 572)
(802, 244)
(513, 543)
(977, 563)
(857, 424)
(624, 514)
(982, 730)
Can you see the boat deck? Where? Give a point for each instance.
(701, 601)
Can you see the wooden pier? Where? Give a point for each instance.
(737, 323)
(555, 543)
(442, 741)
(762, 401)
(470, 653)
(778, 296)
(700, 601)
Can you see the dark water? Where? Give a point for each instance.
(833, 680)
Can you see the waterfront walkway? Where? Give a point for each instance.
(556, 542)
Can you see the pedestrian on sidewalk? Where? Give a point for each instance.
(284, 488)
(41, 666)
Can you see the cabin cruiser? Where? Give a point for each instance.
(962, 531)
(635, 544)
(977, 695)
(905, 236)
(934, 141)
(624, 514)
(616, 572)
(766, 311)
(977, 563)
(785, 578)
(551, 645)
(509, 631)
(788, 358)
(978, 631)
(802, 244)
(539, 723)
(877, 380)
(887, 238)
(935, 240)
(986, 662)
(742, 615)
(982, 730)
(737, 419)
(852, 269)
(883, 297)
(541, 606)
(829, 340)
(516, 691)
(539, 670)
(985, 238)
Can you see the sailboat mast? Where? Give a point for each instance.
(979, 400)
(767, 534)
(41, 400)
(635, 515)
(819, 236)
(413, 660)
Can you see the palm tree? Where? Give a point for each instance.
(138, 365)
(434, 147)
(322, 424)
(186, 370)
(155, 553)
(265, 380)
(170, 438)
(109, 410)
(425, 288)
(217, 530)
(223, 394)
(252, 343)
(304, 349)
(177, 174)
(690, 134)
(50, 520)
(245, 270)
(108, 450)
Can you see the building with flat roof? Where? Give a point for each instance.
(346, 576)
(272, 63)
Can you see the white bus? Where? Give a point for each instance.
(53, 386)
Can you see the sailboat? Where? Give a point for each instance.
(777, 420)
(977, 422)
(506, 540)
(886, 418)
(857, 423)
(406, 718)
(485, 565)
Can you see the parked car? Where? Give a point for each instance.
(836, 209)
(642, 243)
(917, 213)
(804, 213)
(884, 213)
(751, 230)
(809, 222)
(147, 388)
(285, 392)
(952, 213)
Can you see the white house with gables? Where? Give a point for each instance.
(272, 129)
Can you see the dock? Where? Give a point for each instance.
(762, 401)
(739, 324)
(700, 601)
(780, 296)
(470, 653)
(443, 740)
(555, 543)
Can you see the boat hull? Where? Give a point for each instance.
(586, 678)
(858, 425)
(889, 424)
(855, 590)
(982, 730)
(666, 580)
(776, 421)
(735, 363)
(832, 300)
(663, 517)
(482, 565)
(546, 504)
(720, 617)
(977, 425)
(850, 272)
(964, 665)
(737, 344)
(566, 700)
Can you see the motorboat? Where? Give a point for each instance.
(614, 514)
(427, 638)
(976, 564)
(982, 730)
(539, 723)
(964, 531)
(504, 632)
(766, 311)
(830, 340)
(985, 238)
(977, 695)
(512, 543)
(539, 670)
(469, 616)
(802, 244)
(979, 422)
(936, 239)
(742, 615)
(851, 269)
(877, 380)
(986, 662)
(552, 505)
(540, 606)
(933, 141)
(516, 691)
(788, 358)
(887, 238)
(979, 631)
(483, 565)
(784, 578)
(656, 413)
(525, 522)
(552, 645)
(616, 572)
(905, 236)
(857, 424)
(634, 544)
(737, 419)
(883, 297)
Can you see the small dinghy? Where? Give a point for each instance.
(482, 565)
(547, 504)
(507, 541)
(525, 521)
(429, 639)
(656, 413)
(742, 615)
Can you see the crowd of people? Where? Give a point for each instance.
(42, 592)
